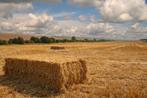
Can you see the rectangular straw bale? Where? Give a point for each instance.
(57, 48)
(54, 76)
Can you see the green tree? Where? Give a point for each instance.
(45, 39)
(18, 40)
(73, 38)
(94, 40)
(35, 39)
(65, 40)
(28, 41)
(52, 40)
(86, 40)
(3, 42)
(145, 40)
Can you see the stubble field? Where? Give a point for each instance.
(115, 70)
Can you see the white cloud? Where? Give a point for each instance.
(124, 10)
(26, 22)
(24, 1)
(118, 10)
(118, 13)
(82, 18)
(64, 14)
(69, 28)
(93, 18)
(125, 17)
(87, 2)
(136, 25)
(99, 28)
(18, 18)
(8, 9)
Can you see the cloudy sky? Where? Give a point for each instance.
(115, 19)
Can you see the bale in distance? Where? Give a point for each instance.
(57, 47)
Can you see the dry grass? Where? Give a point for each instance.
(115, 70)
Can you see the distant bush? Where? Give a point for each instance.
(52, 40)
(145, 40)
(28, 41)
(61, 41)
(86, 40)
(18, 40)
(45, 39)
(35, 39)
(65, 40)
(94, 40)
(73, 38)
(3, 42)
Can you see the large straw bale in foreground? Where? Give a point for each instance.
(53, 75)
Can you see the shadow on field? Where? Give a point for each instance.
(26, 88)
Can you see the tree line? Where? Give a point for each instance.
(45, 39)
(144, 40)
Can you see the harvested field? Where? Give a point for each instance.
(114, 70)
(57, 76)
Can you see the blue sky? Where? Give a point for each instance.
(115, 19)
(42, 7)
(65, 7)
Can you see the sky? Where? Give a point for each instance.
(112, 19)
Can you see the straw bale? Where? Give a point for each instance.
(54, 76)
(57, 48)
